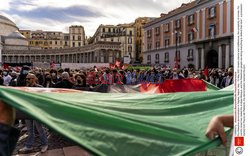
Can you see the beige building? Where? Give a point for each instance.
(76, 36)
(55, 40)
(15, 49)
(139, 36)
(122, 33)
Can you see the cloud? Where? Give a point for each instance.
(57, 14)
(69, 14)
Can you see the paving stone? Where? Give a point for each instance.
(54, 152)
(74, 151)
(30, 154)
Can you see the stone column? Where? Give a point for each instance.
(198, 24)
(145, 41)
(221, 18)
(228, 15)
(162, 36)
(184, 29)
(227, 55)
(172, 32)
(1, 47)
(203, 23)
(197, 59)
(153, 38)
(220, 57)
(202, 59)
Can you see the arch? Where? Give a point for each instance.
(212, 59)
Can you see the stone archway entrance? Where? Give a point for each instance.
(212, 59)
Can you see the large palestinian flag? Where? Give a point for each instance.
(129, 124)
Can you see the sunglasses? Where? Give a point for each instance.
(29, 78)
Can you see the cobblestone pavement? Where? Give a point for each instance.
(66, 151)
(58, 146)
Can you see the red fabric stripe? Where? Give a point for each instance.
(172, 86)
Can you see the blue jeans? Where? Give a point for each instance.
(31, 124)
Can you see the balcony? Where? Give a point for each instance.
(190, 58)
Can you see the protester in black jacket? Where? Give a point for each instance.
(65, 82)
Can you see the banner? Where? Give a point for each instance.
(172, 86)
(126, 124)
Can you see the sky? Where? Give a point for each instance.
(58, 15)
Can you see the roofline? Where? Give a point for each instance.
(160, 19)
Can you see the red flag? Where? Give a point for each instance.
(205, 72)
(111, 66)
(118, 63)
(172, 86)
(52, 65)
(5, 66)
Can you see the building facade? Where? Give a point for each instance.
(99, 52)
(199, 33)
(15, 47)
(76, 36)
(139, 36)
(55, 40)
(123, 33)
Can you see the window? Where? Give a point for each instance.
(190, 56)
(157, 44)
(178, 24)
(179, 39)
(190, 36)
(129, 49)
(73, 44)
(129, 40)
(130, 33)
(149, 59)
(50, 42)
(149, 46)
(73, 37)
(79, 44)
(66, 43)
(190, 19)
(178, 55)
(79, 38)
(212, 31)
(157, 30)
(149, 33)
(56, 42)
(167, 27)
(113, 30)
(212, 12)
(66, 37)
(109, 30)
(166, 58)
(103, 29)
(157, 57)
(167, 42)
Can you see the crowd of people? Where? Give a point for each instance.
(82, 79)
(85, 79)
